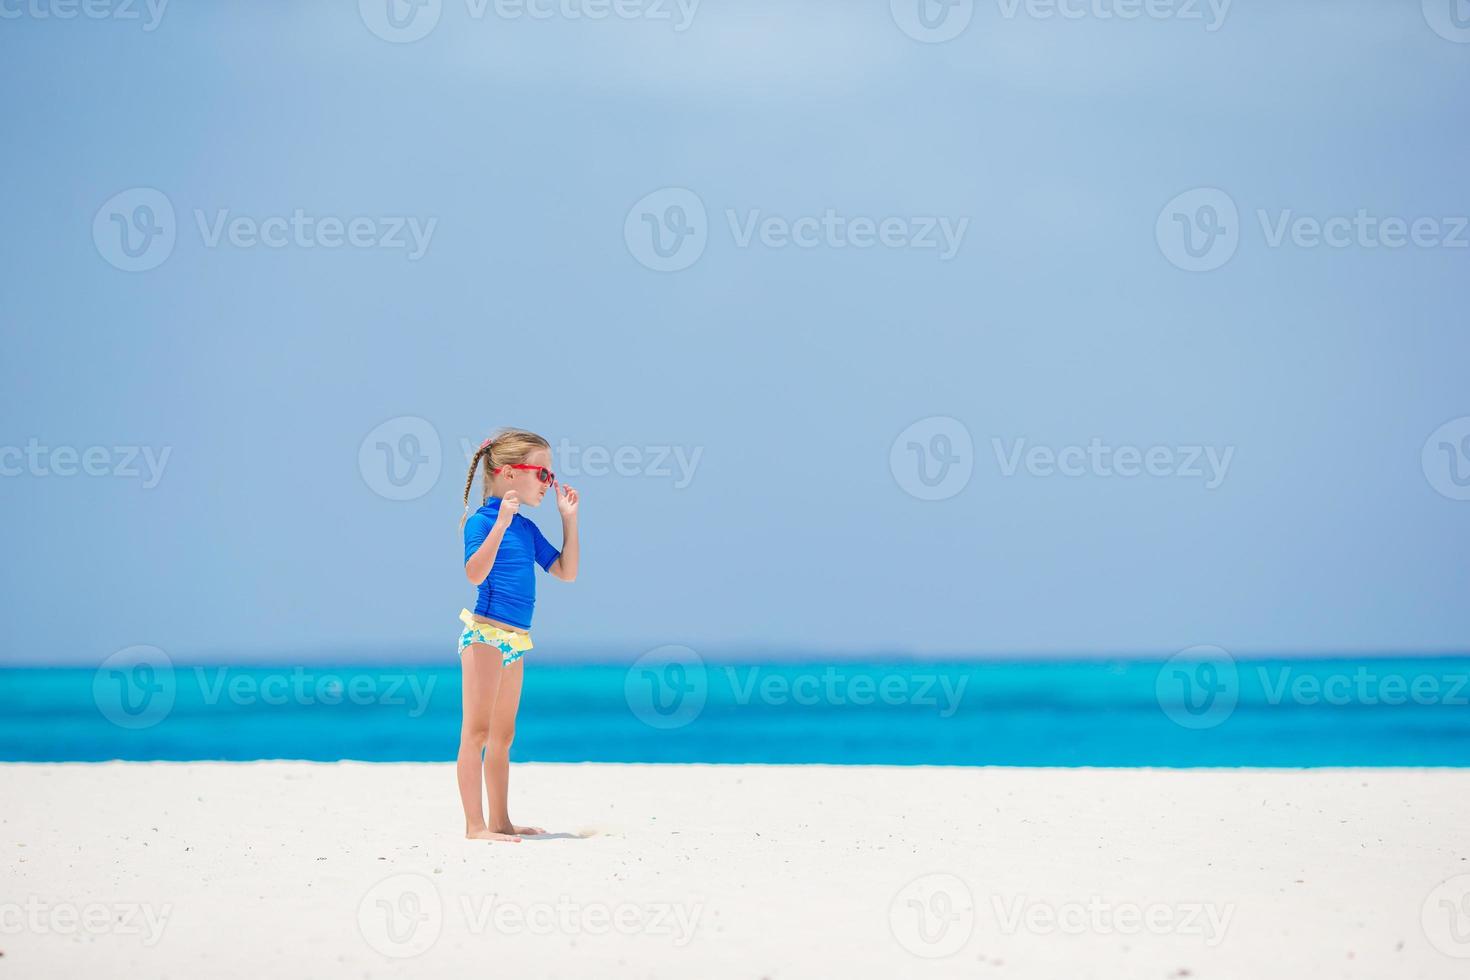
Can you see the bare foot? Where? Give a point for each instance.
(484, 833)
(513, 829)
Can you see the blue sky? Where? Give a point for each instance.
(781, 374)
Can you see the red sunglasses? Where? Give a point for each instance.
(542, 473)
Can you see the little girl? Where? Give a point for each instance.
(499, 548)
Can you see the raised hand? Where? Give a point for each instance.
(509, 505)
(566, 500)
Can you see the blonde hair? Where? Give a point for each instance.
(505, 447)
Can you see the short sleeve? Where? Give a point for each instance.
(476, 530)
(546, 552)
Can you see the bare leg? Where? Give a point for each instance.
(497, 751)
(480, 672)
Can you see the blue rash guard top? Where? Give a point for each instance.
(508, 593)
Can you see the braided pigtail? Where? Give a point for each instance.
(482, 453)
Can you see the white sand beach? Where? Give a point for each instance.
(359, 870)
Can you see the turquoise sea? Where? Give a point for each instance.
(1342, 712)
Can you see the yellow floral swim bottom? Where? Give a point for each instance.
(512, 644)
